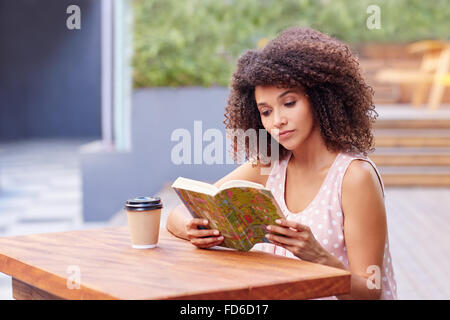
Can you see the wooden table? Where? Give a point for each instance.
(100, 264)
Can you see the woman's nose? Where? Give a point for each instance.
(279, 119)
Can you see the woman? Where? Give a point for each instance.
(306, 90)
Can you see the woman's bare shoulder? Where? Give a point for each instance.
(360, 173)
(361, 185)
(258, 173)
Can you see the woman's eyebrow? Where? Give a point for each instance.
(261, 104)
(279, 97)
(285, 93)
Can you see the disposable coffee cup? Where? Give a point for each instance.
(144, 215)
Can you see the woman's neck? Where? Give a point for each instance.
(312, 154)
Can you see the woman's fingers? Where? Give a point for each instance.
(194, 223)
(202, 238)
(283, 231)
(284, 240)
(193, 231)
(292, 224)
(207, 242)
(198, 233)
(294, 237)
(287, 247)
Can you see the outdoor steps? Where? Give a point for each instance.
(413, 151)
(416, 176)
(407, 156)
(412, 137)
(432, 123)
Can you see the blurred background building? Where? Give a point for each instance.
(88, 111)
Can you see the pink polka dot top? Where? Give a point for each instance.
(325, 218)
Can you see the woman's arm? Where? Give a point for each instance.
(179, 218)
(365, 229)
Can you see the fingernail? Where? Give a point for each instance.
(278, 221)
(205, 221)
(220, 238)
(216, 232)
(269, 228)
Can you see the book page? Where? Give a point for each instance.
(240, 183)
(195, 185)
(200, 205)
(245, 213)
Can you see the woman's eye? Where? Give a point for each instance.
(288, 104)
(265, 113)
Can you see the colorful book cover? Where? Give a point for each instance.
(241, 214)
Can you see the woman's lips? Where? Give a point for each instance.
(286, 134)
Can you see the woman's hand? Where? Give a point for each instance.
(202, 238)
(298, 239)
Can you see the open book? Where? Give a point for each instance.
(239, 209)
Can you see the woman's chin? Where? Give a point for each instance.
(288, 146)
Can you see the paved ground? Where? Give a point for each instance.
(40, 191)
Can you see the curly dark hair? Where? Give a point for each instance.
(328, 72)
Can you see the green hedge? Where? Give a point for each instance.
(197, 42)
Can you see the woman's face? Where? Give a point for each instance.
(285, 110)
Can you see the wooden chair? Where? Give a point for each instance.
(434, 69)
